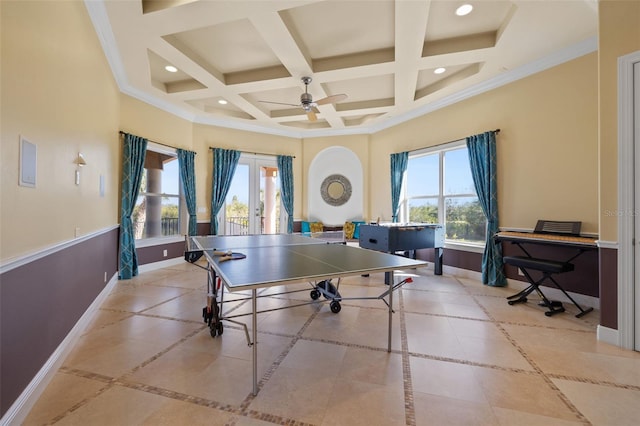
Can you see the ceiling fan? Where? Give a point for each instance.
(307, 103)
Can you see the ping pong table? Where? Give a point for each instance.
(253, 262)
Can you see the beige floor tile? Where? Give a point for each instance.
(603, 405)
(497, 352)
(522, 392)
(355, 326)
(174, 413)
(302, 394)
(357, 403)
(472, 359)
(116, 406)
(446, 379)
(315, 355)
(439, 410)
(508, 417)
(63, 393)
(376, 367)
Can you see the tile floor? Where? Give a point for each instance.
(460, 356)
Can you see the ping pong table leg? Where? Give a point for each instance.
(254, 325)
(390, 309)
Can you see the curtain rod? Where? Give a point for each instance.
(254, 153)
(444, 143)
(158, 143)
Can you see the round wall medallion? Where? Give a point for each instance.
(335, 190)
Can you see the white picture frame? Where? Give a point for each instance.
(28, 163)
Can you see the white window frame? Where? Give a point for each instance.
(441, 197)
(182, 207)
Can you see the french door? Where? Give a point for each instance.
(253, 204)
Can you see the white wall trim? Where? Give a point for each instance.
(148, 267)
(15, 262)
(607, 244)
(607, 335)
(24, 403)
(625, 200)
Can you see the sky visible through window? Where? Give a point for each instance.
(422, 176)
(170, 181)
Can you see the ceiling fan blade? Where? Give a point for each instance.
(279, 103)
(332, 99)
(311, 116)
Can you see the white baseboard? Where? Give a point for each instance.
(148, 267)
(24, 403)
(553, 293)
(608, 335)
(459, 272)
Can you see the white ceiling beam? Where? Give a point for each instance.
(411, 24)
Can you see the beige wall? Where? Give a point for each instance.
(205, 137)
(67, 102)
(59, 93)
(547, 147)
(619, 34)
(141, 119)
(359, 144)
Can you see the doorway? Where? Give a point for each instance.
(253, 204)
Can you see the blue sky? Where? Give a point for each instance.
(422, 174)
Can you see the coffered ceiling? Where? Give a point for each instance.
(382, 54)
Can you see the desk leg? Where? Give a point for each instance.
(390, 309)
(254, 325)
(437, 265)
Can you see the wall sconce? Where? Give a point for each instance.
(80, 162)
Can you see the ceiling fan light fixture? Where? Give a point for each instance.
(463, 10)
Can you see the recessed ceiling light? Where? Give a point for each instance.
(465, 9)
(171, 68)
(439, 70)
(222, 102)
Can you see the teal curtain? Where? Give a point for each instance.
(134, 152)
(224, 166)
(285, 166)
(186, 162)
(398, 168)
(482, 159)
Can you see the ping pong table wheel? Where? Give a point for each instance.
(212, 331)
(335, 307)
(315, 294)
(220, 328)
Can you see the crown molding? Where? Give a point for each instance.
(98, 13)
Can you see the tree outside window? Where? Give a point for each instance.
(439, 189)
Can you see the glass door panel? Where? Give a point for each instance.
(253, 202)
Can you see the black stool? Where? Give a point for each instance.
(548, 268)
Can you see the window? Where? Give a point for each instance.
(159, 208)
(439, 189)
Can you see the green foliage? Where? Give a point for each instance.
(237, 209)
(465, 221)
(424, 214)
(170, 210)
